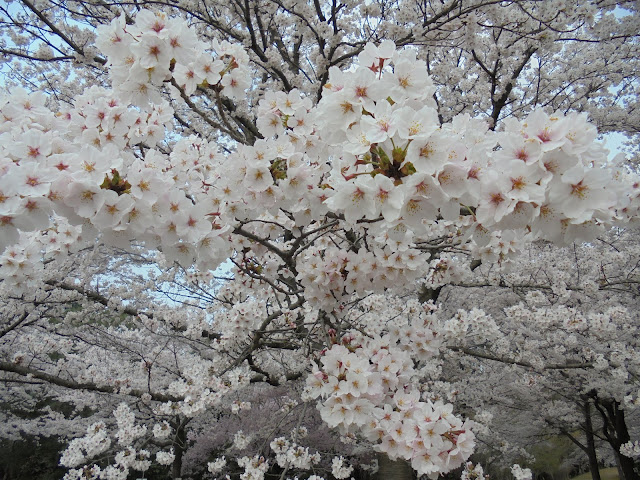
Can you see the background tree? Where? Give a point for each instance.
(579, 348)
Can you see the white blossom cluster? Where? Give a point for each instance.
(520, 473)
(165, 458)
(128, 431)
(102, 119)
(238, 406)
(398, 162)
(366, 389)
(473, 472)
(241, 440)
(157, 48)
(340, 469)
(254, 467)
(630, 449)
(473, 326)
(20, 264)
(632, 400)
(161, 430)
(93, 443)
(391, 164)
(97, 441)
(126, 459)
(290, 454)
(217, 465)
(199, 390)
(331, 271)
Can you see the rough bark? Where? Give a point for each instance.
(591, 446)
(622, 436)
(179, 447)
(617, 434)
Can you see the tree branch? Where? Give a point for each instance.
(88, 386)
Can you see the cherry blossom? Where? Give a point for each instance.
(206, 207)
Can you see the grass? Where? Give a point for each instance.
(605, 474)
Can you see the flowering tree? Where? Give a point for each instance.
(564, 322)
(333, 158)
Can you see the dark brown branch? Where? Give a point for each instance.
(87, 386)
(14, 325)
(511, 361)
(95, 296)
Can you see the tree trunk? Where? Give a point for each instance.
(179, 446)
(388, 470)
(618, 466)
(617, 434)
(176, 467)
(591, 445)
(622, 437)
